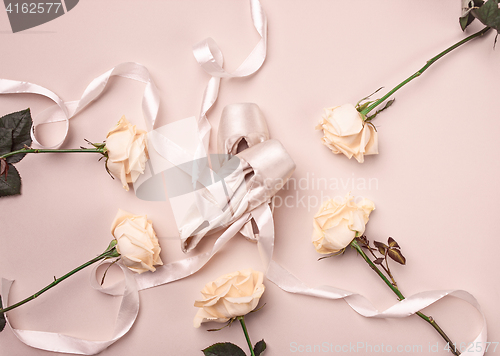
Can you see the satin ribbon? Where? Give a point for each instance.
(63, 111)
(129, 308)
(288, 282)
(210, 58)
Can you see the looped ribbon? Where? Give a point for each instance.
(128, 311)
(209, 57)
(64, 111)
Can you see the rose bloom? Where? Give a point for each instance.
(229, 296)
(345, 132)
(336, 224)
(136, 242)
(127, 151)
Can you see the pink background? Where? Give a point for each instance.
(434, 182)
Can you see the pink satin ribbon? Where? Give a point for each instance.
(129, 308)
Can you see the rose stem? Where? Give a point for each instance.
(110, 252)
(428, 319)
(36, 150)
(244, 327)
(423, 69)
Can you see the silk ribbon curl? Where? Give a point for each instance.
(129, 308)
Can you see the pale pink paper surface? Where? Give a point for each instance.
(434, 183)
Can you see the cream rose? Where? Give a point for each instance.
(345, 132)
(336, 224)
(229, 296)
(127, 151)
(136, 242)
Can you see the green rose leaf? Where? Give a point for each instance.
(5, 140)
(15, 133)
(223, 349)
(465, 21)
(259, 347)
(10, 185)
(2, 317)
(488, 14)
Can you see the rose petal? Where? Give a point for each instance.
(345, 132)
(346, 120)
(229, 296)
(136, 242)
(335, 224)
(127, 152)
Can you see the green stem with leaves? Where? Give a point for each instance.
(423, 69)
(36, 150)
(109, 253)
(428, 319)
(244, 327)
